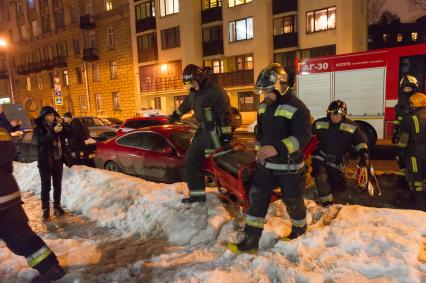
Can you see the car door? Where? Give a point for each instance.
(127, 151)
(159, 160)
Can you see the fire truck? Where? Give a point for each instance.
(367, 81)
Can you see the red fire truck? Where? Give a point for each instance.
(367, 81)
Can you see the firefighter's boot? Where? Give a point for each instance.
(296, 232)
(193, 199)
(54, 273)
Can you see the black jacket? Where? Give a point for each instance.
(285, 125)
(48, 142)
(9, 191)
(213, 96)
(338, 139)
(76, 133)
(413, 134)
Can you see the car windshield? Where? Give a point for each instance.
(97, 122)
(182, 139)
(106, 122)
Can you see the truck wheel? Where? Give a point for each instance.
(112, 166)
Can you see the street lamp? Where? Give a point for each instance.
(4, 45)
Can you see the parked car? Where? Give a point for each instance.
(141, 122)
(236, 121)
(154, 153)
(149, 113)
(26, 149)
(98, 130)
(112, 122)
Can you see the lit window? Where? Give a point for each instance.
(145, 10)
(113, 69)
(320, 20)
(233, 3)
(209, 4)
(116, 101)
(241, 30)
(28, 83)
(65, 78)
(385, 37)
(285, 25)
(248, 61)
(218, 66)
(399, 37)
(108, 5)
(111, 38)
(98, 102)
(414, 36)
(40, 82)
(83, 102)
(169, 7)
(95, 72)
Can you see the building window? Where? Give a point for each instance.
(147, 47)
(95, 72)
(233, 3)
(51, 79)
(28, 83)
(319, 20)
(61, 49)
(44, 7)
(98, 102)
(116, 101)
(89, 8)
(145, 10)
(31, 10)
(111, 38)
(19, 9)
(178, 100)
(57, 4)
(79, 75)
(83, 102)
(241, 30)
(40, 82)
(169, 7)
(157, 103)
(414, 36)
(76, 46)
(385, 37)
(209, 4)
(244, 62)
(248, 101)
(285, 25)
(65, 78)
(59, 18)
(45, 24)
(108, 5)
(218, 66)
(170, 38)
(74, 13)
(212, 34)
(113, 69)
(399, 37)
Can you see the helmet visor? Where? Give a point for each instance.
(336, 111)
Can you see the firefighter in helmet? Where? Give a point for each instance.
(337, 135)
(412, 144)
(284, 129)
(14, 228)
(212, 109)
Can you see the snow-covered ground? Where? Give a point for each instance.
(140, 232)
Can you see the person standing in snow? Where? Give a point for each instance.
(50, 142)
(76, 134)
(337, 135)
(213, 111)
(14, 228)
(284, 129)
(412, 144)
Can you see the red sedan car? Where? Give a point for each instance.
(154, 153)
(141, 122)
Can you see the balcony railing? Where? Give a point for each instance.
(145, 24)
(237, 78)
(4, 75)
(212, 47)
(90, 54)
(60, 61)
(87, 22)
(23, 69)
(47, 64)
(147, 55)
(286, 40)
(283, 6)
(211, 15)
(161, 84)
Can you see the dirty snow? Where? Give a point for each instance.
(187, 245)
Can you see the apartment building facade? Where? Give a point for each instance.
(236, 38)
(78, 50)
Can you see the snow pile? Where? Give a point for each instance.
(358, 244)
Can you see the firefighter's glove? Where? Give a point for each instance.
(174, 118)
(225, 141)
(364, 161)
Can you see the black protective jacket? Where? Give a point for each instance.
(413, 134)
(337, 139)
(285, 124)
(76, 133)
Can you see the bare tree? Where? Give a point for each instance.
(388, 18)
(374, 8)
(416, 5)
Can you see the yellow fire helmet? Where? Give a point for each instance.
(418, 100)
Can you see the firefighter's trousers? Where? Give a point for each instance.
(264, 182)
(416, 178)
(21, 240)
(327, 180)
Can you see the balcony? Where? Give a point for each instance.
(237, 78)
(60, 61)
(147, 55)
(212, 47)
(87, 22)
(283, 6)
(285, 40)
(145, 24)
(4, 75)
(161, 84)
(46, 64)
(90, 54)
(211, 15)
(22, 70)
